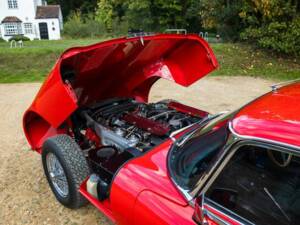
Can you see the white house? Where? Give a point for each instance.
(31, 18)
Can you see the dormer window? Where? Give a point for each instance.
(12, 4)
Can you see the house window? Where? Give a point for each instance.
(28, 28)
(12, 4)
(12, 28)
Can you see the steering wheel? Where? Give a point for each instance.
(279, 158)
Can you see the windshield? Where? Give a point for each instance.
(189, 161)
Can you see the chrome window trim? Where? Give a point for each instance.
(214, 217)
(234, 142)
(225, 211)
(189, 196)
(237, 142)
(242, 141)
(207, 177)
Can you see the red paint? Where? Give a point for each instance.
(148, 172)
(274, 116)
(125, 67)
(187, 109)
(152, 126)
(151, 208)
(104, 206)
(129, 67)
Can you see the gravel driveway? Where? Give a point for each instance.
(25, 197)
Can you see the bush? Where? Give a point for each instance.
(1, 39)
(78, 26)
(273, 26)
(282, 37)
(119, 28)
(19, 38)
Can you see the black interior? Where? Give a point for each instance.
(257, 189)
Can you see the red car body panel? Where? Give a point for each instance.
(157, 210)
(103, 206)
(141, 177)
(128, 67)
(274, 116)
(146, 173)
(125, 67)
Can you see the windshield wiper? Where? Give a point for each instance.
(277, 204)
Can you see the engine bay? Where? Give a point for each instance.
(115, 130)
(126, 123)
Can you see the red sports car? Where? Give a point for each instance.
(163, 162)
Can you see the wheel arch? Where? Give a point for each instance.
(37, 129)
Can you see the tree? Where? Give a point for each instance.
(104, 13)
(151, 15)
(223, 16)
(138, 14)
(272, 24)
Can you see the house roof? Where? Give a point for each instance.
(274, 116)
(11, 19)
(46, 12)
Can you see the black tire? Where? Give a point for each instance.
(74, 165)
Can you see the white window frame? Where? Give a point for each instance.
(12, 4)
(28, 28)
(11, 29)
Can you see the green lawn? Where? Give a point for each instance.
(240, 59)
(35, 60)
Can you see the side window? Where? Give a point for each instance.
(261, 185)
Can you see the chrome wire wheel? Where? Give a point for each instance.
(65, 167)
(57, 175)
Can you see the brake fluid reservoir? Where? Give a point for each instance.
(91, 185)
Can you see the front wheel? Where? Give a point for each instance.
(65, 168)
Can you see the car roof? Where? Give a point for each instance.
(274, 116)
